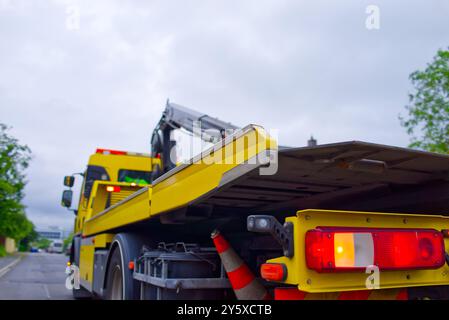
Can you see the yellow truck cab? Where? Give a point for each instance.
(110, 177)
(127, 171)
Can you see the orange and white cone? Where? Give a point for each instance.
(245, 284)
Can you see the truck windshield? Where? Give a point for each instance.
(94, 173)
(136, 176)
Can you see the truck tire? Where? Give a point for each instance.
(125, 248)
(81, 294)
(114, 281)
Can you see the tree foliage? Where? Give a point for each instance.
(14, 159)
(25, 243)
(68, 241)
(42, 243)
(428, 109)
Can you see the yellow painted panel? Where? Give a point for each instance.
(112, 163)
(312, 281)
(103, 240)
(181, 188)
(205, 174)
(133, 210)
(99, 195)
(87, 262)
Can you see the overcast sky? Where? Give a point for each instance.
(69, 85)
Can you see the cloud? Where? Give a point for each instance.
(301, 67)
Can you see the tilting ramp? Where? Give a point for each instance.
(343, 176)
(349, 175)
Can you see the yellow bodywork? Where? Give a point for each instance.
(88, 247)
(190, 182)
(203, 175)
(112, 164)
(97, 201)
(206, 173)
(311, 281)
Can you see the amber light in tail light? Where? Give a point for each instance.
(334, 249)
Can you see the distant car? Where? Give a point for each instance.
(33, 249)
(56, 247)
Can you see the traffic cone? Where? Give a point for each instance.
(245, 284)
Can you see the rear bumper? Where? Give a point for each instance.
(311, 281)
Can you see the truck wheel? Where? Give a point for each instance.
(119, 281)
(81, 294)
(114, 282)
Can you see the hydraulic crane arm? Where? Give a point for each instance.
(178, 117)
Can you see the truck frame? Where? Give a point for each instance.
(273, 204)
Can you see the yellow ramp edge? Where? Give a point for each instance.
(186, 183)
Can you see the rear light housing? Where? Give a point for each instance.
(335, 249)
(113, 188)
(121, 153)
(273, 271)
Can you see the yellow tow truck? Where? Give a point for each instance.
(350, 220)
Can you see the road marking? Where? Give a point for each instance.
(5, 270)
(46, 291)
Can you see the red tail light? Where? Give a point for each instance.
(350, 249)
(113, 189)
(273, 271)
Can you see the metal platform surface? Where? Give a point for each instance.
(354, 175)
(322, 177)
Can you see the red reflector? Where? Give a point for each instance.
(354, 295)
(289, 294)
(108, 151)
(113, 189)
(402, 295)
(273, 271)
(330, 249)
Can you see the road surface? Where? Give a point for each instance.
(38, 276)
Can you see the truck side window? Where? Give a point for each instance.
(136, 176)
(94, 173)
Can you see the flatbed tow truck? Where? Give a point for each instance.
(350, 220)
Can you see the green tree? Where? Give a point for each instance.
(428, 109)
(43, 243)
(68, 241)
(14, 159)
(2, 251)
(25, 243)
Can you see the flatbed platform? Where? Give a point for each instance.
(342, 176)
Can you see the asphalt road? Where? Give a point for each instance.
(38, 276)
